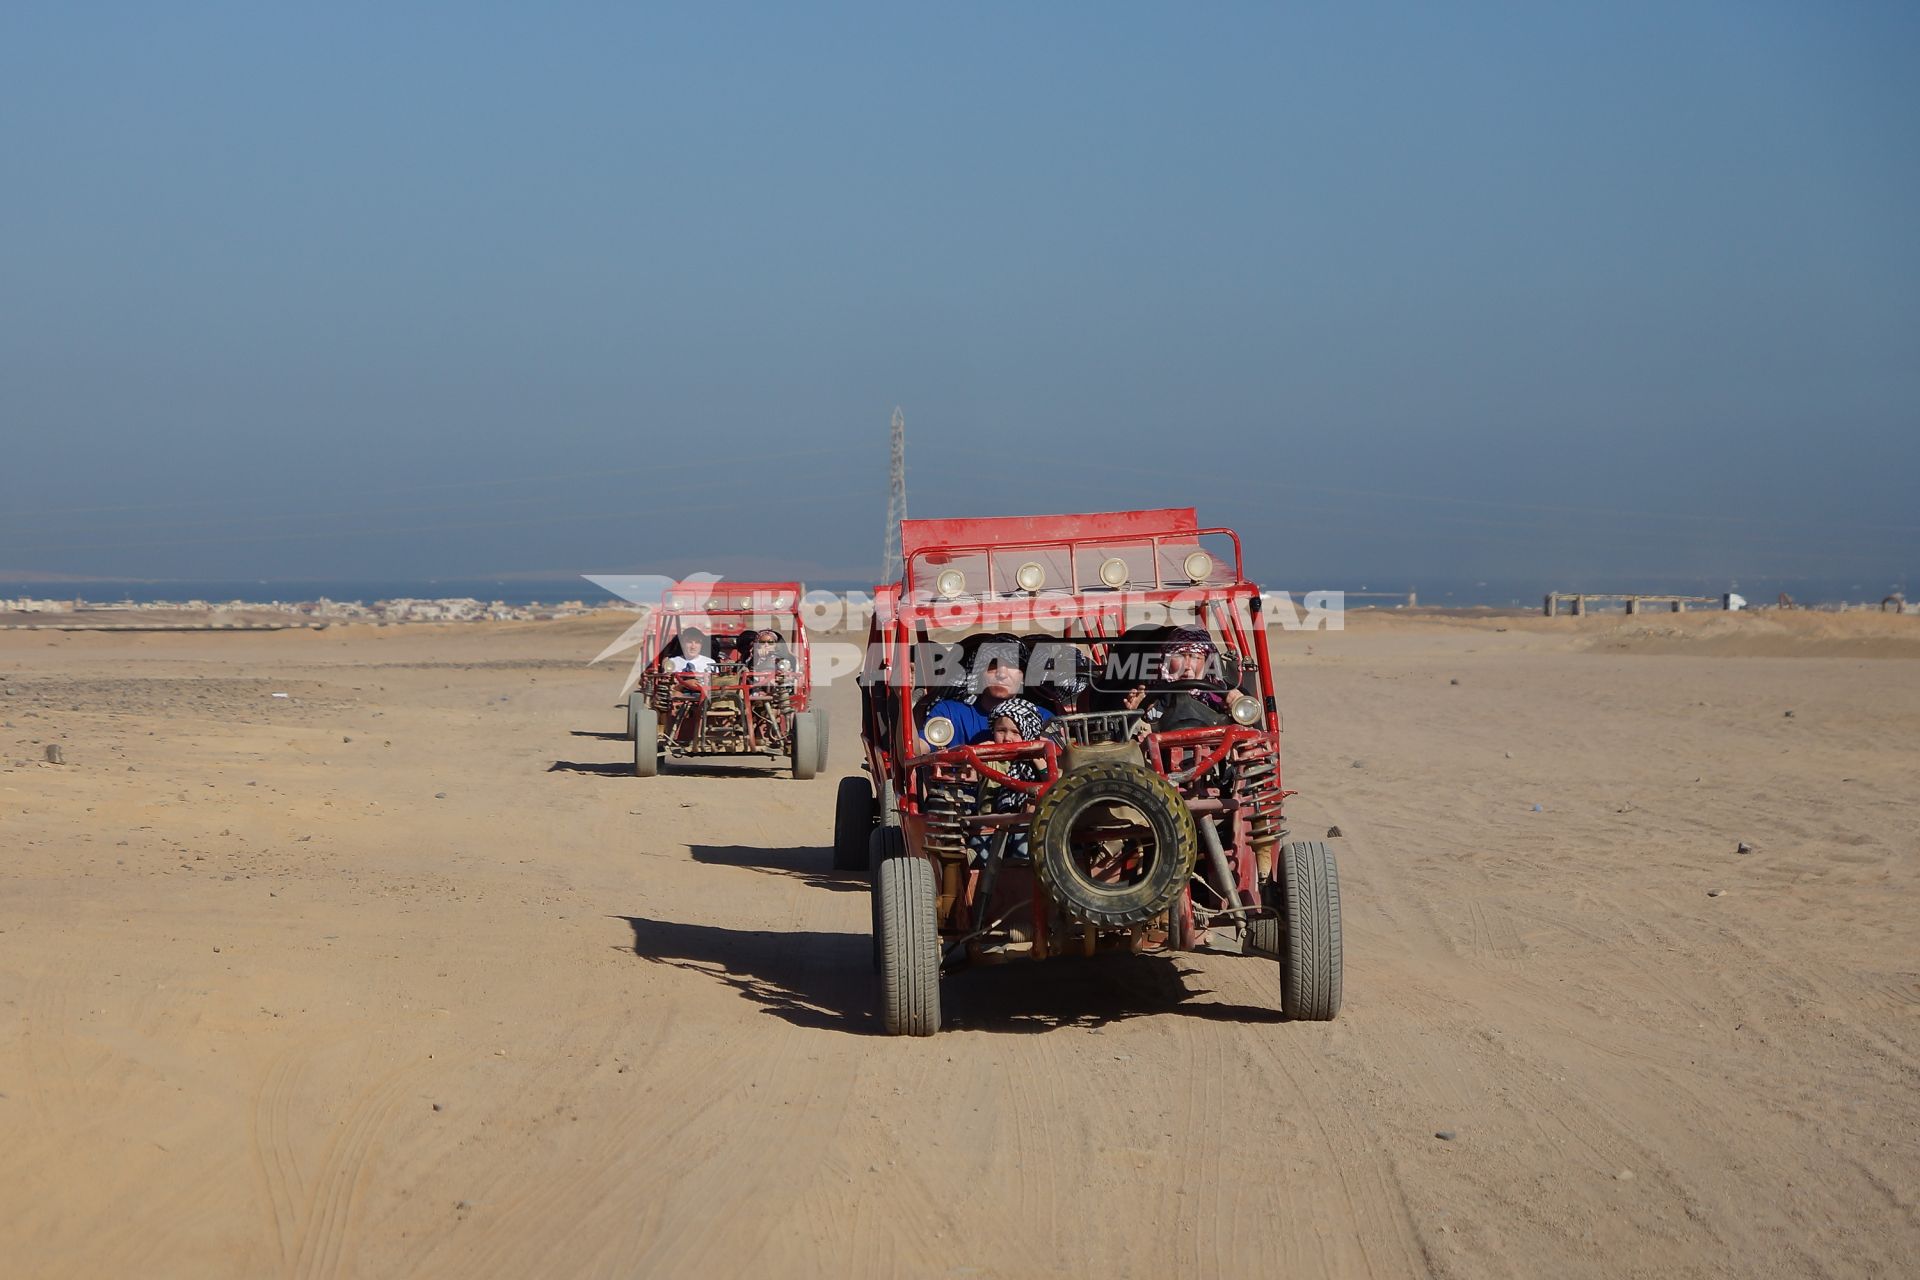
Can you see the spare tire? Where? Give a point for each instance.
(1112, 843)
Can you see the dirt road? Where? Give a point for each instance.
(400, 975)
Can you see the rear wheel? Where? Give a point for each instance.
(646, 742)
(803, 752)
(909, 946)
(1262, 937)
(1180, 923)
(852, 824)
(1310, 952)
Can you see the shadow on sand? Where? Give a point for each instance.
(622, 770)
(826, 981)
(1024, 996)
(601, 734)
(810, 866)
(733, 767)
(720, 767)
(820, 980)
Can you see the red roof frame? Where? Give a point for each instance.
(976, 531)
(727, 589)
(730, 585)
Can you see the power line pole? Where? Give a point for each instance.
(890, 565)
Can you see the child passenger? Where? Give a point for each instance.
(1013, 720)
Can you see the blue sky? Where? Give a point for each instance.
(1534, 292)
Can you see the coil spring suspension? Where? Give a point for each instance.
(946, 804)
(1257, 789)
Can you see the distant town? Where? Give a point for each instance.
(76, 611)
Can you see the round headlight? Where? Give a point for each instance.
(1244, 710)
(939, 731)
(1199, 566)
(950, 583)
(1113, 571)
(1031, 576)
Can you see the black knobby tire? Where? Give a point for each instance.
(909, 946)
(636, 703)
(1310, 953)
(853, 812)
(1068, 801)
(646, 743)
(803, 752)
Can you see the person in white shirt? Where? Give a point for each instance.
(693, 653)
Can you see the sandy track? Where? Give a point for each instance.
(273, 1008)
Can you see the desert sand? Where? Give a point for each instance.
(401, 975)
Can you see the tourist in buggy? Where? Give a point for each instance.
(997, 673)
(1193, 688)
(1013, 720)
(692, 657)
(767, 652)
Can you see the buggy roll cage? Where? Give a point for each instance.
(751, 604)
(904, 611)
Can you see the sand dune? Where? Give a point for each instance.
(399, 975)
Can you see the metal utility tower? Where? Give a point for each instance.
(890, 566)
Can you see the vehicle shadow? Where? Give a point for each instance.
(811, 866)
(825, 981)
(811, 979)
(604, 735)
(621, 770)
(1024, 997)
(683, 767)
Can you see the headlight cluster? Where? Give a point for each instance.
(938, 732)
(1244, 710)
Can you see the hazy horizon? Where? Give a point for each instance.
(1489, 293)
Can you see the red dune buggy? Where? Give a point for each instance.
(1140, 808)
(725, 672)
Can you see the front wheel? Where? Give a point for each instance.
(1310, 952)
(852, 824)
(646, 742)
(636, 703)
(803, 751)
(820, 732)
(906, 898)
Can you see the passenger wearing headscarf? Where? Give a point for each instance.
(1189, 658)
(1012, 720)
(1018, 720)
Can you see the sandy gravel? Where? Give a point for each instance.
(401, 976)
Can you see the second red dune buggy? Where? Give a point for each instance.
(1073, 748)
(724, 671)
